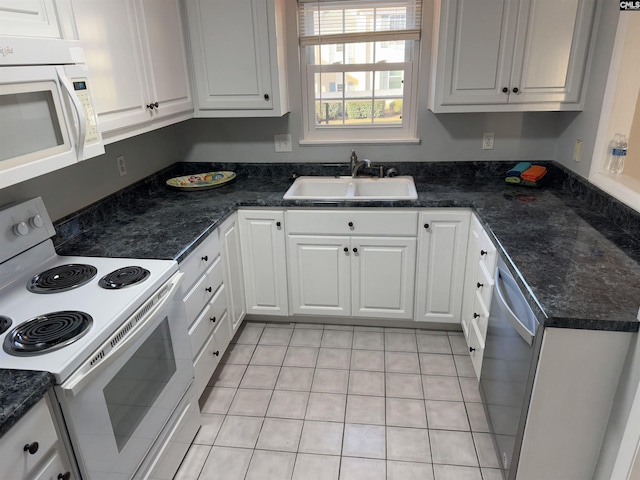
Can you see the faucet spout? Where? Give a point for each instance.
(355, 168)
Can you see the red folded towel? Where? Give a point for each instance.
(534, 173)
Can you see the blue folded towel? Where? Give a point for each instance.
(518, 169)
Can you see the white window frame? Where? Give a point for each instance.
(361, 133)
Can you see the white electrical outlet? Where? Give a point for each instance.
(487, 140)
(121, 165)
(577, 150)
(282, 142)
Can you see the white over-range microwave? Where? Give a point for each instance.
(47, 120)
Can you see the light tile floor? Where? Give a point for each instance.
(325, 402)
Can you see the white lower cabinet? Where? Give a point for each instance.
(352, 263)
(264, 263)
(33, 449)
(229, 234)
(481, 259)
(206, 306)
(441, 264)
(382, 277)
(319, 275)
(208, 357)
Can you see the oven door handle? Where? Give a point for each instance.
(117, 345)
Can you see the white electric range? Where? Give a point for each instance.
(114, 335)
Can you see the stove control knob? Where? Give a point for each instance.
(21, 229)
(36, 221)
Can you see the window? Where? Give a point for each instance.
(359, 69)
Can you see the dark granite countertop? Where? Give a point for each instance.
(582, 269)
(19, 391)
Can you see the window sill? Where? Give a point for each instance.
(622, 187)
(358, 141)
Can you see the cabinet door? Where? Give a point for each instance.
(319, 275)
(441, 265)
(233, 277)
(551, 50)
(163, 42)
(110, 38)
(31, 18)
(230, 44)
(383, 277)
(474, 60)
(264, 261)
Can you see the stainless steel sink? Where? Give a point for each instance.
(354, 189)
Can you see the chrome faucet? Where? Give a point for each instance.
(356, 164)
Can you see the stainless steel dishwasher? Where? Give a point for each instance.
(508, 367)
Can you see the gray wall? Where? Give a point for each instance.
(69, 189)
(584, 125)
(444, 137)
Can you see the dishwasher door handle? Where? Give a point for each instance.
(517, 324)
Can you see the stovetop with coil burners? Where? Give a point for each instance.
(57, 310)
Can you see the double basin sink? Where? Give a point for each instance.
(352, 189)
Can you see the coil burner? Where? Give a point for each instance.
(62, 278)
(124, 277)
(47, 332)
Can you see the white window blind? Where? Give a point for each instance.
(353, 21)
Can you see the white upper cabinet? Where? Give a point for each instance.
(238, 57)
(24, 24)
(136, 55)
(509, 55)
(36, 19)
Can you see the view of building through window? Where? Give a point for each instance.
(359, 59)
(357, 97)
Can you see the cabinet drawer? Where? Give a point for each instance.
(203, 290)
(208, 321)
(476, 349)
(200, 260)
(36, 426)
(485, 284)
(209, 356)
(329, 222)
(52, 468)
(487, 250)
(480, 316)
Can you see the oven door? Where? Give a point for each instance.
(116, 404)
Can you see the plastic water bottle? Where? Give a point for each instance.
(617, 153)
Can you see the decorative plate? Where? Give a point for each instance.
(201, 181)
